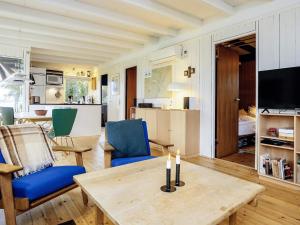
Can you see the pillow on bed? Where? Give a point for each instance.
(252, 111)
(242, 112)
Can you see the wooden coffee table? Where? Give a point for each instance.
(130, 194)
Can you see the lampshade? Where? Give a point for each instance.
(176, 86)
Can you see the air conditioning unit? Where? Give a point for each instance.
(165, 55)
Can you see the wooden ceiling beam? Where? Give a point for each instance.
(41, 45)
(60, 41)
(56, 59)
(27, 27)
(220, 5)
(40, 51)
(50, 19)
(162, 10)
(74, 8)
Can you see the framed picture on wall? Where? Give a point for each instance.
(115, 84)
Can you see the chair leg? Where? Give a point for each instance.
(8, 199)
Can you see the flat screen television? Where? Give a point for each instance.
(279, 89)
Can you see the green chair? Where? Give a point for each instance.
(62, 124)
(7, 115)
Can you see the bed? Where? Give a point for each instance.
(247, 127)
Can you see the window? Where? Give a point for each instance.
(11, 94)
(77, 88)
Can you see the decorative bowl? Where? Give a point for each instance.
(40, 112)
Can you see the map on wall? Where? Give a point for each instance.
(156, 85)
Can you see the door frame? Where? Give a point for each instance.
(214, 44)
(125, 99)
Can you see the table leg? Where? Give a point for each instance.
(99, 217)
(232, 219)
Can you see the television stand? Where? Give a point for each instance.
(265, 110)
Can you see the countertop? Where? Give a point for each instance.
(66, 104)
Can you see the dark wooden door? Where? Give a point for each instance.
(227, 101)
(130, 90)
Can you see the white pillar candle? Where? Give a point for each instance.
(178, 157)
(169, 162)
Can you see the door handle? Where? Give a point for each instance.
(237, 99)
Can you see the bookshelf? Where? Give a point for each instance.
(290, 151)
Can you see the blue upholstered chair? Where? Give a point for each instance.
(24, 193)
(126, 142)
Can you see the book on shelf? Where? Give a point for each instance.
(278, 168)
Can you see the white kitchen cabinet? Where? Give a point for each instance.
(287, 38)
(268, 43)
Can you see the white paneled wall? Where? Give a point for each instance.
(268, 42)
(278, 46)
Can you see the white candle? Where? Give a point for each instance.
(169, 162)
(178, 157)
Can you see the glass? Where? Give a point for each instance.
(76, 88)
(12, 94)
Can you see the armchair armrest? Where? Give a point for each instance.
(59, 148)
(106, 146)
(165, 146)
(8, 168)
(107, 149)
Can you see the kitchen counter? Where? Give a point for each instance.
(88, 118)
(65, 104)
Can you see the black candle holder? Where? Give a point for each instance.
(177, 182)
(168, 187)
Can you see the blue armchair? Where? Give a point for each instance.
(127, 142)
(24, 193)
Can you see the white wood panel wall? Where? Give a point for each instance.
(268, 46)
(206, 97)
(287, 38)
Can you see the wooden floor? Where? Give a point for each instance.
(245, 159)
(278, 205)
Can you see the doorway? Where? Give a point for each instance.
(130, 96)
(236, 100)
(103, 94)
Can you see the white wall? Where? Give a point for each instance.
(200, 44)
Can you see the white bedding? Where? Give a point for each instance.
(247, 125)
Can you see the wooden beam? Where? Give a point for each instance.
(50, 19)
(60, 41)
(58, 59)
(220, 5)
(165, 11)
(18, 25)
(94, 13)
(47, 52)
(71, 50)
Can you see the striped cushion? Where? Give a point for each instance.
(26, 146)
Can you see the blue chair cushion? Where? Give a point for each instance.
(128, 138)
(123, 161)
(45, 182)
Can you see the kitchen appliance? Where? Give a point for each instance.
(54, 77)
(145, 105)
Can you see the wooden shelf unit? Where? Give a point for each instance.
(290, 153)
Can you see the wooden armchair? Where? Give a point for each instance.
(112, 162)
(22, 194)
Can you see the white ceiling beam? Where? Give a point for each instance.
(220, 5)
(39, 51)
(51, 19)
(78, 9)
(56, 59)
(162, 10)
(19, 25)
(60, 41)
(36, 44)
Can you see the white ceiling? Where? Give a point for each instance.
(97, 31)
